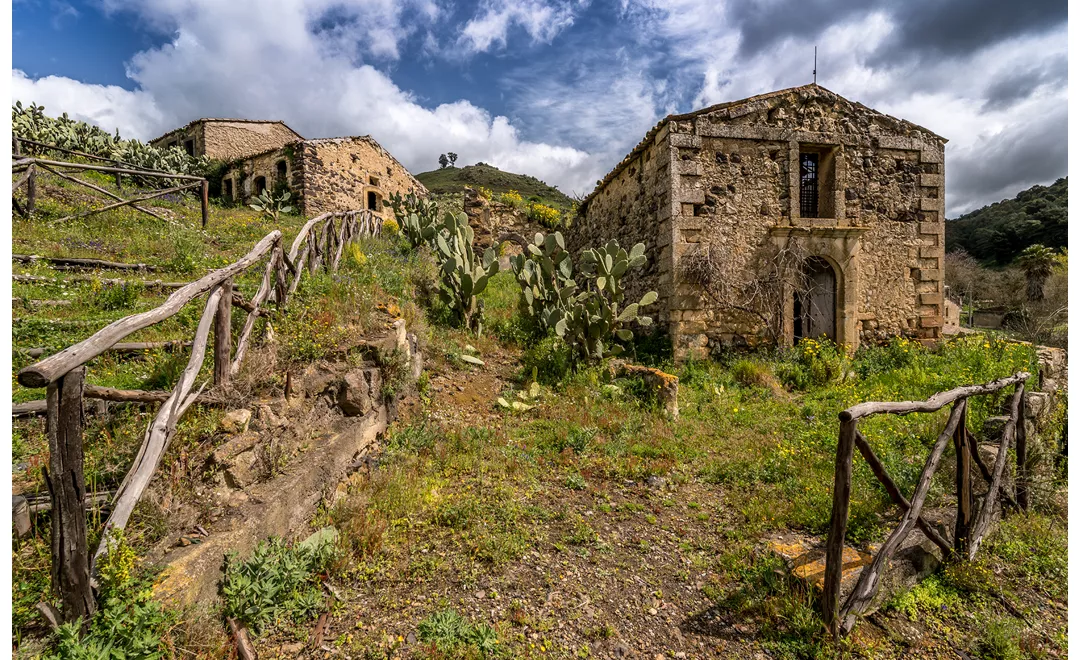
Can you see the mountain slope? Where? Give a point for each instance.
(453, 179)
(998, 232)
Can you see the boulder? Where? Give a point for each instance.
(235, 421)
(359, 391)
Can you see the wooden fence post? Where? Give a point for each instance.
(1022, 475)
(119, 187)
(223, 336)
(205, 202)
(834, 548)
(31, 190)
(67, 488)
(964, 498)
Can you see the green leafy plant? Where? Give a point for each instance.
(545, 274)
(278, 581)
(417, 218)
(464, 275)
(271, 206)
(595, 315)
(448, 631)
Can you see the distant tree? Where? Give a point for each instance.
(452, 157)
(1038, 262)
(443, 160)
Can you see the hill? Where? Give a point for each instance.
(995, 234)
(453, 179)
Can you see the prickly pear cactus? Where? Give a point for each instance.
(464, 275)
(545, 274)
(418, 219)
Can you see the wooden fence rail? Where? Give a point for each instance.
(64, 374)
(969, 529)
(29, 167)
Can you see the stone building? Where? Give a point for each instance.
(329, 174)
(792, 214)
(228, 139)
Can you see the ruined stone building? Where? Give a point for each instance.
(329, 174)
(792, 214)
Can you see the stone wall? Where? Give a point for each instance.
(229, 140)
(636, 206)
(336, 174)
(493, 222)
(731, 192)
(244, 177)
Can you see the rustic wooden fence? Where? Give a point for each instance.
(319, 244)
(29, 166)
(970, 527)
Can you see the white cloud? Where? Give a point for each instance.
(541, 20)
(265, 60)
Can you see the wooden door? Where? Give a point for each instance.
(815, 308)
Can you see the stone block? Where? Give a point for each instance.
(931, 227)
(685, 140)
(235, 421)
(931, 180)
(930, 203)
(931, 321)
(927, 155)
(359, 391)
(687, 223)
(931, 299)
(1036, 404)
(929, 252)
(686, 209)
(688, 168)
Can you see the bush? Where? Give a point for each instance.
(749, 373)
(811, 363)
(545, 215)
(278, 582)
(448, 631)
(551, 358)
(116, 296)
(898, 353)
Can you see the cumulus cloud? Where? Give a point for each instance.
(286, 61)
(541, 20)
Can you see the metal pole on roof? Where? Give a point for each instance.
(815, 65)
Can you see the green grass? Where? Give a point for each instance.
(454, 179)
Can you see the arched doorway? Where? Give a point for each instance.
(815, 303)
(260, 185)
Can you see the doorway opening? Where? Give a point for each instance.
(815, 303)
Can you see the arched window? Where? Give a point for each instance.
(260, 185)
(282, 170)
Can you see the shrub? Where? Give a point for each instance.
(448, 632)
(116, 296)
(898, 353)
(511, 198)
(749, 373)
(545, 215)
(278, 581)
(811, 363)
(391, 228)
(551, 359)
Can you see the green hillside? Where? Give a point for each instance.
(453, 179)
(995, 234)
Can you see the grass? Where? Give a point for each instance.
(560, 530)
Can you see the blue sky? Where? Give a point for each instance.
(560, 89)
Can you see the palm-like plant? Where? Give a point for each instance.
(1037, 261)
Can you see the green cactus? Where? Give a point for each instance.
(593, 315)
(418, 218)
(31, 123)
(545, 273)
(464, 274)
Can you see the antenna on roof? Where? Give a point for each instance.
(815, 65)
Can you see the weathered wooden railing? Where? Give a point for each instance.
(969, 528)
(29, 166)
(63, 373)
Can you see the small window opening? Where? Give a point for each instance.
(372, 200)
(282, 170)
(228, 189)
(260, 185)
(808, 185)
(189, 147)
(373, 180)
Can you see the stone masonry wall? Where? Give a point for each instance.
(492, 220)
(337, 174)
(734, 187)
(635, 206)
(229, 140)
(265, 165)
